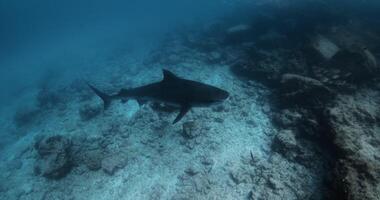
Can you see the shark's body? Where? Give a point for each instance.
(172, 90)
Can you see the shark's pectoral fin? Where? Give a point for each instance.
(183, 111)
(141, 101)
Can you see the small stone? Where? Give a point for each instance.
(113, 163)
(325, 47)
(219, 108)
(266, 109)
(89, 111)
(219, 120)
(93, 159)
(191, 171)
(207, 161)
(272, 184)
(239, 177)
(286, 140)
(190, 130)
(251, 122)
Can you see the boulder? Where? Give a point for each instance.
(353, 121)
(301, 90)
(285, 144)
(54, 159)
(347, 69)
(371, 61)
(325, 47)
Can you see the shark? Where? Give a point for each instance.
(172, 90)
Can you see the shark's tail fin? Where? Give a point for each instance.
(105, 97)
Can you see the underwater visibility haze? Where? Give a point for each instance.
(217, 99)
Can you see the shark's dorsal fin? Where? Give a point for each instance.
(168, 75)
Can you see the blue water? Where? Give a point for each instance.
(58, 142)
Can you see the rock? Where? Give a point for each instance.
(191, 129)
(272, 183)
(301, 90)
(371, 61)
(113, 163)
(352, 120)
(287, 118)
(285, 144)
(89, 111)
(267, 67)
(325, 47)
(54, 160)
(238, 28)
(240, 176)
(93, 160)
(238, 34)
(197, 186)
(207, 161)
(347, 70)
(191, 171)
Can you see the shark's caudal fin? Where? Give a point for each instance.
(106, 98)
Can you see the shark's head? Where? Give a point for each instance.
(219, 95)
(192, 92)
(214, 96)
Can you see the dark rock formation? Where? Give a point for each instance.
(346, 70)
(301, 90)
(54, 159)
(285, 143)
(354, 121)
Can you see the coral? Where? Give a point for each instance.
(54, 161)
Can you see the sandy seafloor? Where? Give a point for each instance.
(160, 162)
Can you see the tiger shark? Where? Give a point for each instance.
(171, 90)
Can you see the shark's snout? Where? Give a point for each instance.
(221, 95)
